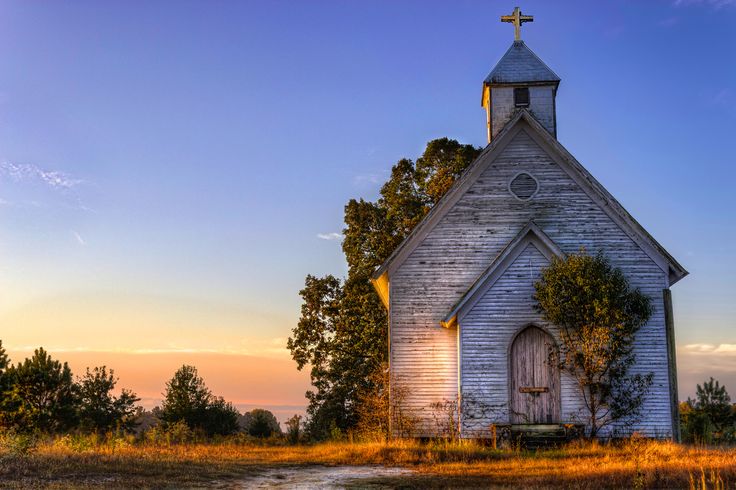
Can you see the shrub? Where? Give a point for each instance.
(293, 429)
(260, 423)
(19, 443)
(598, 315)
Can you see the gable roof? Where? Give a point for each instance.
(530, 234)
(520, 65)
(523, 120)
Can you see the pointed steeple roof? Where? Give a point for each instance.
(520, 65)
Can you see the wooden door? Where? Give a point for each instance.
(535, 382)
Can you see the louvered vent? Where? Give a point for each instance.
(524, 186)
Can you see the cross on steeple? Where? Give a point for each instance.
(517, 19)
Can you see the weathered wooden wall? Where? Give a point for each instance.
(541, 104)
(459, 248)
(486, 332)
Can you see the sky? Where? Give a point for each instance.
(171, 171)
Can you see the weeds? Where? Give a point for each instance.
(712, 482)
(111, 461)
(18, 444)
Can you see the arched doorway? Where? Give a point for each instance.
(534, 381)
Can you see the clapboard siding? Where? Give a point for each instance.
(486, 333)
(424, 356)
(541, 104)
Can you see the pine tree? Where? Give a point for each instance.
(99, 409)
(40, 395)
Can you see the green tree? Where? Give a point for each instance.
(260, 423)
(4, 364)
(188, 399)
(39, 395)
(5, 405)
(598, 315)
(442, 162)
(710, 417)
(99, 409)
(221, 417)
(4, 359)
(342, 332)
(294, 428)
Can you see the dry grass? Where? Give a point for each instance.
(639, 463)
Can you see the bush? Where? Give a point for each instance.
(293, 429)
(260, 423)
(19, 443)
(176, 433)
(78, 443)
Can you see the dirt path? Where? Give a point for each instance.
(331, 477)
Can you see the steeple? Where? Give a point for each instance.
(519, 80)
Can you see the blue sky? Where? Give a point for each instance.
(168, 168)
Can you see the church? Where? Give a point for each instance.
(463, 328)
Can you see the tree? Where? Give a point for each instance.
(342, 332)
(99, 409)
(5, 404)
(4, 359)
(260, 423)
(4, 364)
(39, 395)
(714, 401)
(294, 428)
(598, 315)
(221, 417)
(710, 417)
(187, 399)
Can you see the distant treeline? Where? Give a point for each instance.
(41, 395)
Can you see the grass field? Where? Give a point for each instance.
(68, 463)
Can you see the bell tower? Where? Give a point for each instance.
(520, 80)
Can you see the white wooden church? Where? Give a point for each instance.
(458, 290)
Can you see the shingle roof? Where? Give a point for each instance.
(520, 65)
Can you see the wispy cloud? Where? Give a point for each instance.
(81, 241)
(729, 349)
(274, 347)
(329, 236)
(30, 172)
(715, 4)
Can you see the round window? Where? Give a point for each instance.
(523, 186)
